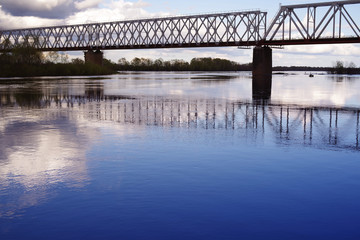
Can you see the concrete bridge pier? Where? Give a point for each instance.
(95, 57)
(262, 72)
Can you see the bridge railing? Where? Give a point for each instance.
(224, 29)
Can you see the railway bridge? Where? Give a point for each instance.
(313, 23)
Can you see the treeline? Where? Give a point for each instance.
(338, 68)
(302, 69)
(25, 61)
(344, 68)
(196, 64)
(53, 69)
(217, 64)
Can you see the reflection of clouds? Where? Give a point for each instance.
(21, 200)
(2, 125)
(41, 148)
(182, 85)
(317, 91)
(45, 161)
(38, 152)
(176, 92)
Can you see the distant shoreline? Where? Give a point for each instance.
(26, 61)
(277, 71)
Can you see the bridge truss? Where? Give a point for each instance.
(210, 30)
(318, 23)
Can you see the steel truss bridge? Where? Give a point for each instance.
(318, 23)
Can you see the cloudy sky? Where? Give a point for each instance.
(34, 13)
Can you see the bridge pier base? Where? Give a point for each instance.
(262, 73)
(95, 57)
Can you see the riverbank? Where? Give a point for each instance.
(51, 69)
(200, 64)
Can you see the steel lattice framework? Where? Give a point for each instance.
(224, 29)
(319, 23)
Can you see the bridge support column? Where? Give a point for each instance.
(95, 57)
(262, 72)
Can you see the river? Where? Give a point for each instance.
(146, 155)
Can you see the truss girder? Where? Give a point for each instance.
(318, 23)
(224, 29)
(328, 22)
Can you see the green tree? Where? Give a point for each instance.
(6, 55)
(339, 67)
(26, 54)
(344, 68)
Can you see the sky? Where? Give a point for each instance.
(35, 13)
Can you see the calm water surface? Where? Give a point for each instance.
(179, 156)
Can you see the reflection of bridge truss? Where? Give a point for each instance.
(329, 22)
(309, 125)
(321, 126)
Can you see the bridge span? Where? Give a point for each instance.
(313, 23)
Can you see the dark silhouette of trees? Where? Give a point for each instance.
(213, 64)
(22, 53)
(344, 68)
(24, 60)
(196, 64)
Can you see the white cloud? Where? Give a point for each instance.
(7, 21)
(53, 9)
(87, 4)
(113, 11)
(38, 5)
(59, 9)
(124, 4)
(339, 51)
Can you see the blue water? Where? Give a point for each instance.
(107, 162)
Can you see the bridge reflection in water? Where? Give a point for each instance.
(285, 124)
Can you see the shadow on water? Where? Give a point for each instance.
(213, 79)
(343, 78)
(261, 89)
(31, 98)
